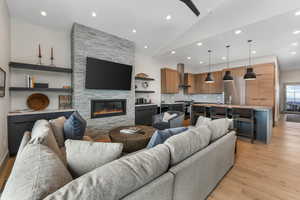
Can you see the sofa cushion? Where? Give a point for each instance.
(84, 156)
(160, 136)
(118, 178)
(58, 130)
(202, 121)
(74, 127)
(219, 127)
(167, 116)
(184, 145)
(42, 134)
(37, 173)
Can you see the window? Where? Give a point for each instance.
(292, 98)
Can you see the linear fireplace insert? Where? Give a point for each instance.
(108, 107)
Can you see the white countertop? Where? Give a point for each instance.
(139, 105)
(29, 112)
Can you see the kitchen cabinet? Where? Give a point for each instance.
(169, 81)
(261, 92)
(217, 86)
(190, 80)
(209, 88)
(144, 114)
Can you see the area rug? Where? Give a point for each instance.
(293, 118)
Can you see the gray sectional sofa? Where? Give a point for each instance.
(187, 166)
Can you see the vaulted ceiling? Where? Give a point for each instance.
(270, 23)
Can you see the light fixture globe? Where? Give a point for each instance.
(209, 78)
(227, 77)
(250, 75)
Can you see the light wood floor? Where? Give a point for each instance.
(261, 172)
(265, 172)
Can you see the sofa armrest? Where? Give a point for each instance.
(25, 140)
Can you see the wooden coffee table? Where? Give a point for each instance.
(132, 142)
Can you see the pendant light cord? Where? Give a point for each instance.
(250, 46)
(209, 66)
(227, 56)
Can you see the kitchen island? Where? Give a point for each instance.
(263, 118)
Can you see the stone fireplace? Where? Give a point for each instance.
(99, 107)
(108, 108)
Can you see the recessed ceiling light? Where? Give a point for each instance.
(189, 58)
(173, 52)
(254, 52)
(201, 62)
(297, 13)
(43, 13)
(199, 44)
(168, 17)
(146, 47)
(293, 52)
(133, 30)
(224, 58)
(94, 14)
(295, 44)
(296, 32)
(237, 32)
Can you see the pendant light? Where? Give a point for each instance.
(227, 77)
(209, 78)
(250, 74)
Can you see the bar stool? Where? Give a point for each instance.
(198, 111)
(244, 115)
(218, 112)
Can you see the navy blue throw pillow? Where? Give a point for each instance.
(160, 136)
(74, 127)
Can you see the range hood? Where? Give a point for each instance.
(180, 69)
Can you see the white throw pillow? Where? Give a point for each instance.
(167, 116)
(202, 121)
(42, 134)
(85, 156)
(219, 127)
(58, 130)
(37, 172)
(184, 145)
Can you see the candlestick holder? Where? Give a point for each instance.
(40, 56)
(52, 58)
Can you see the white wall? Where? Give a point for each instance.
(4, 59)
(25, 38)
(288, 76)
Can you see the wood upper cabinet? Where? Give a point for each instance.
(216, 87)
(190, 79)
(209, 88)
(261, 92)
(169, 81)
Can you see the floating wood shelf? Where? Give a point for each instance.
(39, 67)
(144, 79)
(144, 91)
(41, 89)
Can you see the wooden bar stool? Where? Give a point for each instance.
(244, 115)
(218, 112)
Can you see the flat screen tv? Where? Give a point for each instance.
(106, 75)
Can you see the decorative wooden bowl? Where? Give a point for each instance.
(37, 101)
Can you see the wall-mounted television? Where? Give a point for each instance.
(106, 75)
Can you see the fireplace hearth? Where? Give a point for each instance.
(108, 107)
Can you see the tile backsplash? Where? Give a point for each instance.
(211, 98)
